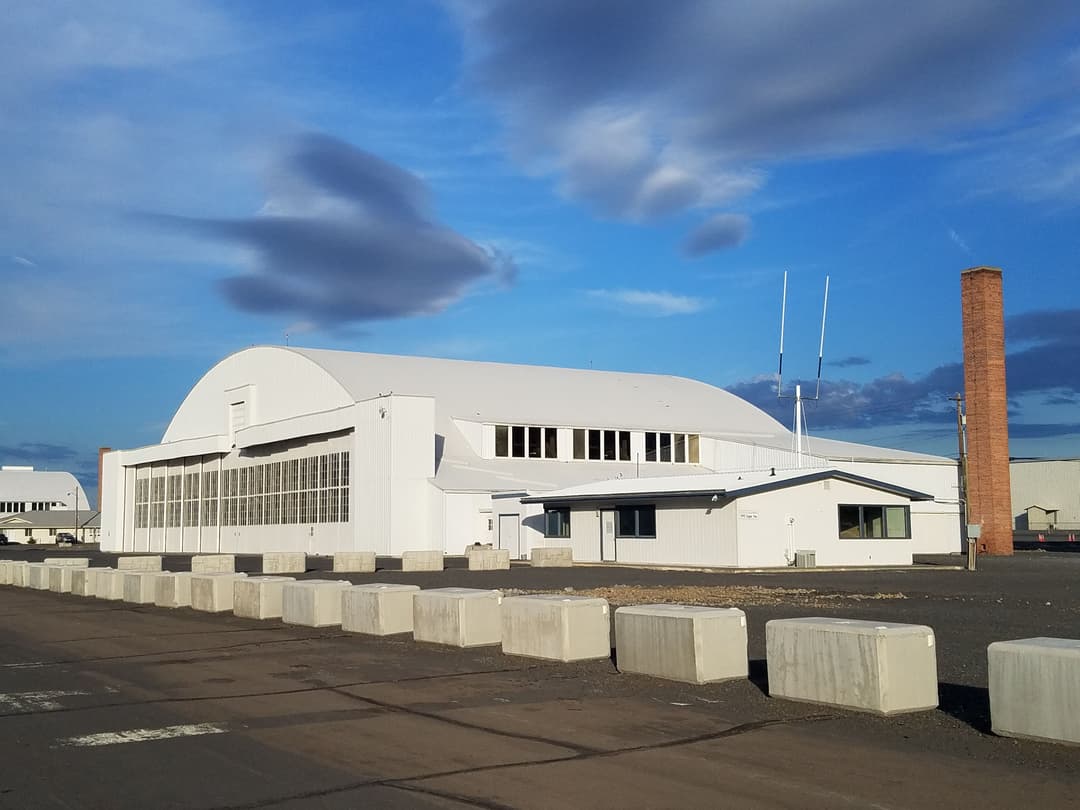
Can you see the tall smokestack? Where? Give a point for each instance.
(988, 494)
(100, 458)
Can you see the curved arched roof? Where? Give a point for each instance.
(294, 381)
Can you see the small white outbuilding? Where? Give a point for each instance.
(288, 449)
(744, 520)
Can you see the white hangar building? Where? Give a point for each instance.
(279, 449)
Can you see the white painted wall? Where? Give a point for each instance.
(935, 524)
(806, 517)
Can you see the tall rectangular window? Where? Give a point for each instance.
(556, 523)
(609, 445)
(594, 445)
(665, 447)
(695, 448)
(517, 444)
(650, 447)
(502, 441)
(579, 443)
(551, 443)
(535, 450)
(624, 445)
(680, 448)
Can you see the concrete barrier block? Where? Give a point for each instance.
(60, 578)
(556, 627)
(459, 617)
(422, 561)
(682, 642)
(354, 562)
(284, 562)
(259, 597)
(492, 559)
(84, 581)
(5, 572)
(378, 609)
(140, 587)
(1035, 689)
(880, 667)
(313, 602)
(173, 589)
(552, 557)
(109, 584)
(213, 593)
(141, 563)
(213, 564)
(75, 562)
(19, 573)
(37, 576)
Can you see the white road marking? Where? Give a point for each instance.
(137, 735)
(34, 701)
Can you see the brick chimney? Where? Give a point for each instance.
(100, 458)
(988, 493)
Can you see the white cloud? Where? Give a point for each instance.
(649, 303)
(959, 241)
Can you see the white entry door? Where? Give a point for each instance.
(607, 535)
(510, 534)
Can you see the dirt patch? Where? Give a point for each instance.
(717, 595)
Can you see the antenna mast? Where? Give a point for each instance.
(798, 397)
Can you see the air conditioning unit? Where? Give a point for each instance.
(805, 558)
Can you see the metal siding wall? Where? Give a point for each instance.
(1047, 483)
(687, 533)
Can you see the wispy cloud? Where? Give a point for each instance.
(849, 362)
(22, 261)
(959, 241)
(649, 303)
(347, 237)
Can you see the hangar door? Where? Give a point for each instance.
(510, 534)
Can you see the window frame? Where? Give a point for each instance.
(884, 507)
(564, 523)
(623, 533)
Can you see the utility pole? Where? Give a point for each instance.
(961, 455)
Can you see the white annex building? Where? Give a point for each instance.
(320, 451)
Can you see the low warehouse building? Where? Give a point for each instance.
(747, 520)
(286, 449)
(1045, 494)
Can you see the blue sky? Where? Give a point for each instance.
(566, 183)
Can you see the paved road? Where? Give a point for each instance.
(110, 705)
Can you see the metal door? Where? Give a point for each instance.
(510, 534)
(607, 535)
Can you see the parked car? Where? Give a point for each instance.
(66, 537)
(3, 539)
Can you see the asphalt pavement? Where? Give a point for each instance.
(105, 704)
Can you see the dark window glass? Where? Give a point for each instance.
(650, 447)
(849, 521)
(635, 521)
(534, 442)
(579, 443)
(517, 433)
(594, 445)
(624, 445)
(665, 447)
(551, 443)
(873, 521)
(609, 445)
(680, 448)
(557, 523)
